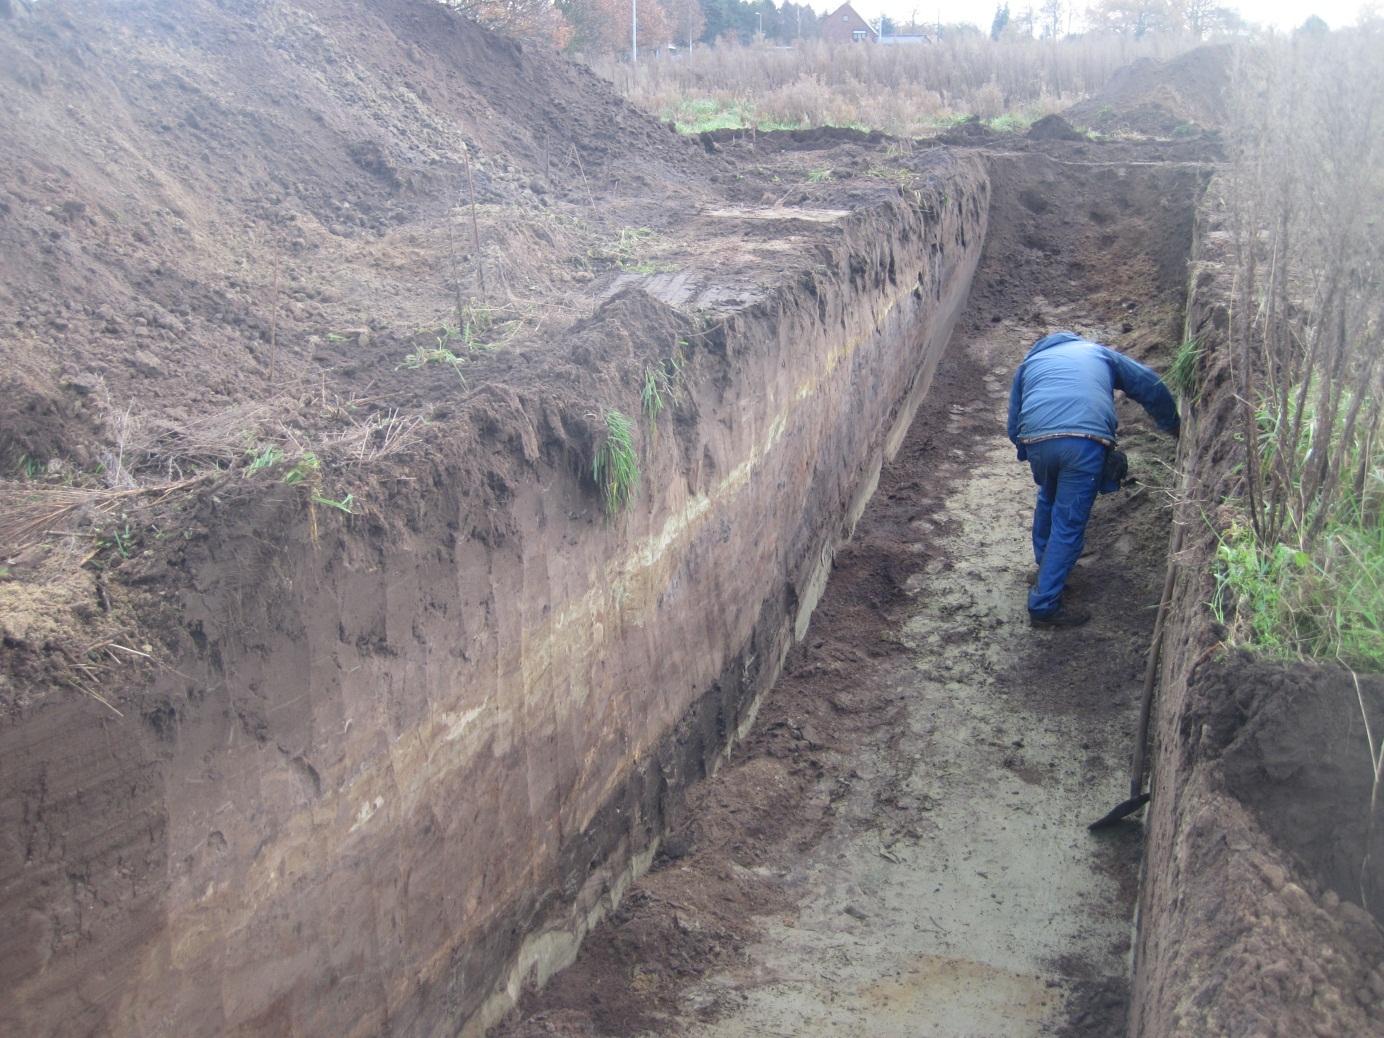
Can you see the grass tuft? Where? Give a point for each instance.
(1184, 376)
(661, 383)
(615, 465)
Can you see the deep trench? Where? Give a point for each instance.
(927, 870)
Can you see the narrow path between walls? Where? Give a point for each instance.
(958, 891)
(899, 845)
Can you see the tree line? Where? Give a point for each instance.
(603, 26)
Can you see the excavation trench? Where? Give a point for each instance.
(899, 847)
(390, 773)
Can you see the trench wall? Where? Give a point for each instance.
(1250, 918)
(394, 779)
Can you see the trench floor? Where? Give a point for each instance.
(899, 847)
(997, 913)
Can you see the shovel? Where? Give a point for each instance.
(1138, 798)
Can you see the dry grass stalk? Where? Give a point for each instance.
(1307, 324)
(475, 224)
(31, 510)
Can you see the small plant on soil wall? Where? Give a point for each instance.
(1184, 374)
(615, 466)
(441, 355)
(264, 458)
(661, 384)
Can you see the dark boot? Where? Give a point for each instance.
(1066, 616)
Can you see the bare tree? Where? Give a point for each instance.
(523, 19)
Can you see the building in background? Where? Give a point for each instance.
(844, 25)
(905, 39)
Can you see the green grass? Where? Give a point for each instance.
(302, 470)
(661, 382)
(475, 329)
(1010, 122)
(615, 466)
(693, 115)
(345, 504)
(1255, 589)
(1184, 375)
(1288, 604)
(817, 176)
(1313, 597)
(265, 458)
(441, 355)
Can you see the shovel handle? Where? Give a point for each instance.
(1136, 769)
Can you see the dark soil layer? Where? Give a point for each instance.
(1290, 744)
(1064, 233)
(1263, 853)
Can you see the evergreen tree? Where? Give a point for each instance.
(1001, 20)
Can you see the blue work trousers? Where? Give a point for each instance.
(1068, 473)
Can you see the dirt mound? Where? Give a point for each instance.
(195, 212)
(1054, 128)
(1292, 747)
(968, 131)
(1180, 97)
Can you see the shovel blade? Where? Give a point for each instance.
(1120, 811)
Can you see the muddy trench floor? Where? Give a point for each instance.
(899, 847)
(908, 818)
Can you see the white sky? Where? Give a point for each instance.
(1280, 14)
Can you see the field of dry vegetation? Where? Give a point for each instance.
(907, 91)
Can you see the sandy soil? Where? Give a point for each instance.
(981, 906)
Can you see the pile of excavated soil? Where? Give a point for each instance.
(209, 204)
(1180, 97)
(230, 229)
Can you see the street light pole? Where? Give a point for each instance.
(634, 32)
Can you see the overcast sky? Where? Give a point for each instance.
(1282, 14)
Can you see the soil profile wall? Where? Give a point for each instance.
(1259, 853)
(400, 770)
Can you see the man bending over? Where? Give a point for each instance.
(1062, 419)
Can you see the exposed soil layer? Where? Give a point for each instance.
(1264, 858)
(337, 704)
(332, 703)
(782, 904)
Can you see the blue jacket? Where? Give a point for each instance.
(1066, 387)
